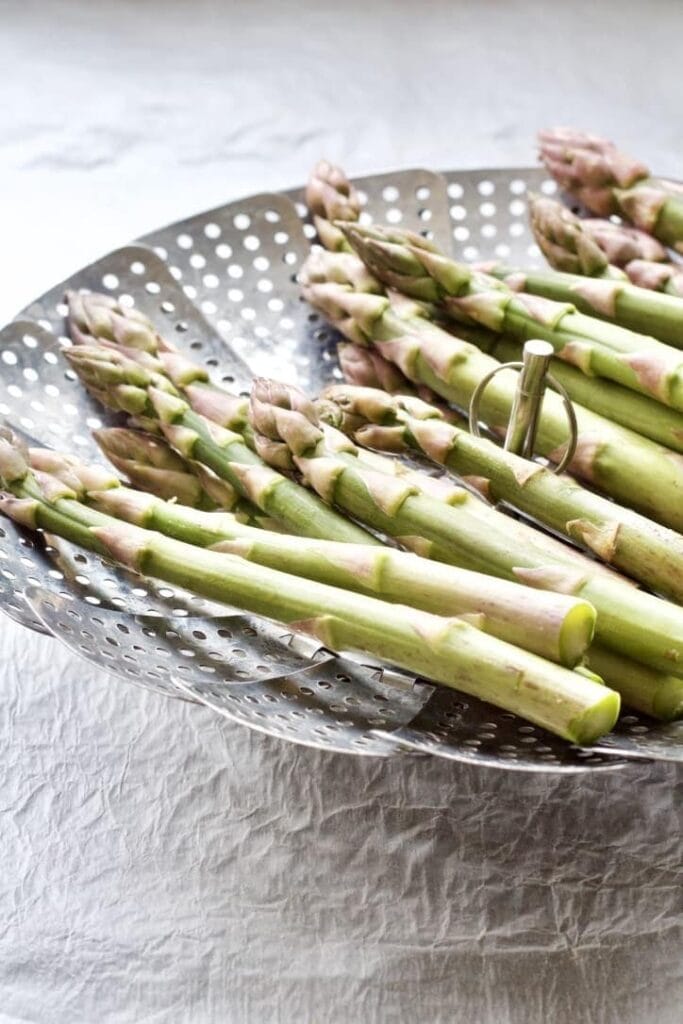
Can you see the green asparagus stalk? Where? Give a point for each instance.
(330, 196)
(646, 628)
(618, 536)
(561, 237)
(554, 626)
(411, 264)
(608, 181)
(369, 369)
(139, 387)
(447, 650)
(641, 687)
(631, 469)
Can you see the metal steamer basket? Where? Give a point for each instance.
(223, 285)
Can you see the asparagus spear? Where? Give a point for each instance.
(641, 687)
(622, 538)
(447, 650)
(644, 627)
(330, 196)
(554, 626)
(365, 367)
(139, 387)
(568, 247)
(626, 466)
(608, 181)
(413, 265)
(368, 368)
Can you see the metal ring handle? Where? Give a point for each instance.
(475, 402)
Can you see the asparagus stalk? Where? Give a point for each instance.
(628, 467)
(565, 243)
(447, 650)
(646, 628)
(557, 627)
(608, 181)
(365, 367)
(411, 264)
(618, 536)
(139, 387)
(641, 687)
(330, 196)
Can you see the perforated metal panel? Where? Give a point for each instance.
(223, 286)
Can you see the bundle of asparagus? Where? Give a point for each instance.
(449, 650)
(608, 181)
(628, 467)
(129, 378)
(555, 626)
(572, 250)
(466, 533)
(414, 266)
(618, 536)
(637, 412)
